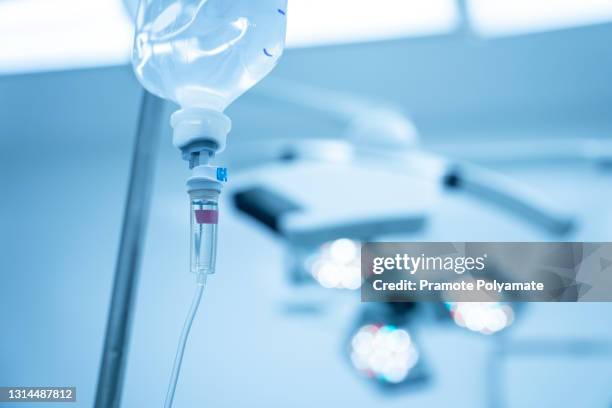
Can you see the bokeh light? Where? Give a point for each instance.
(481, 317)
(384, 352)
(337, 265)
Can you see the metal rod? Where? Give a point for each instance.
(135, 217)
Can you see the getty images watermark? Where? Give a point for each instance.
(483, 272)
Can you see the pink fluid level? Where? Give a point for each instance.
(207, 216)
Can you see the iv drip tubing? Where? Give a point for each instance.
(178, 359)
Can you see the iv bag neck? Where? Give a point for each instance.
(198, 129)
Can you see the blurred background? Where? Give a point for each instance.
(444, 120)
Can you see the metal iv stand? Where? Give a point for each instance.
(135, 218)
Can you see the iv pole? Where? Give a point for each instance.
(135, 217)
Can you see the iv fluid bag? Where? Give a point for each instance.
(206, 53)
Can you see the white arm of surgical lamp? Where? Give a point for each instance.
(368, 122)
(379, 130)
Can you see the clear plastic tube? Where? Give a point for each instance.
(204, 217)
(178, 359)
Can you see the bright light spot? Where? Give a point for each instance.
(337, 265)
(343, 250)
(502, 17)
(328, 275)
(385, 352)
(43, 35)
(317, 22)
(483, 317)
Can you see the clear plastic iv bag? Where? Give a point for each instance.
(206, 53)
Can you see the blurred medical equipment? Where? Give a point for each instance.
(377, 132)
(323, 248)
(300, 226)
(323, 241)
(201, 55)
(388, 146)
